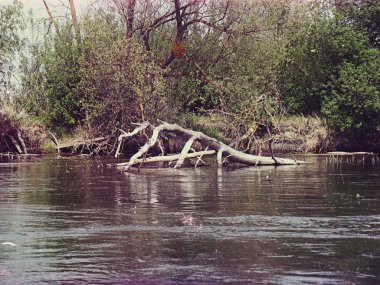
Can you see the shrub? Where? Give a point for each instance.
(314, 58)
(51, 78)
(120, 83)
(11, 23)
(99, 80)
(353, 107)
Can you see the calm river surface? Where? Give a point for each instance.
(77, 221)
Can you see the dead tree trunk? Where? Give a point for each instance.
(130, 17)
(52, 20)
(75, 20)
(73, 12)
(212, 146)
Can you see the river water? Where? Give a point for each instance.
(78, 221)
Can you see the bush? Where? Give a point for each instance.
(51, 78)
(353, 107)
(95, 79)
(11, 23)
(119, 81)
(314, 59)
(365, 16)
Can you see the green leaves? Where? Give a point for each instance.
(354, 104)
(101, 81)
(333, 70)
(119, 79)
(314, 58)
(11, 23)
(365, 16)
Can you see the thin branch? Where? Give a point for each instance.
(52, 20)
(127, 135)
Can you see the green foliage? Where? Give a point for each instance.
(100, 81)
(118, 77)
(51, 80)
(331, 69)
(353, 108)
(205, 124)
(314, 58)
(11, 22)
(365, 16)
(245, 60)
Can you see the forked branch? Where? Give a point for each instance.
(214, 145)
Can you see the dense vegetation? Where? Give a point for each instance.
(249, 62)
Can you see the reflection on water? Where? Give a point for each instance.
(77, 221)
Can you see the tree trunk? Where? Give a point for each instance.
(210, 143)
(73, 12)
(75, 20)
(130, 17)
(52, 20)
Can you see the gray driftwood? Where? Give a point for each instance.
(212, 147)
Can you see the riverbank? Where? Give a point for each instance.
(20, 134)
(294, 134)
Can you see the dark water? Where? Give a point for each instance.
(75, 221)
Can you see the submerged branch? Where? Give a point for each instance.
(210, 143)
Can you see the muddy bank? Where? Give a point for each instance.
(17, 138)
(292, 135)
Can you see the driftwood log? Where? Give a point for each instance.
(82, 146)
(212, 147)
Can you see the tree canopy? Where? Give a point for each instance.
(11, 22)
(248, 61)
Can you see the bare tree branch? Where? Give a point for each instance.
(52, 20)
(215, 145)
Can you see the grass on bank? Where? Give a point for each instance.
(14, 119)
(291, 134)
(300, 134)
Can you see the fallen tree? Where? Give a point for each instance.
(212, 146)
(99, 145)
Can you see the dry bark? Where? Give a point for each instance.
(168, 158)
(214, 145)
(51, 17)
(73, 12)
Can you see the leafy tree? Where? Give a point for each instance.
(332, 68)
(365, 16)
(11, 22)
(120, 83)
(314, 57)
(50, 81)
(99, 80)
(353, 108)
